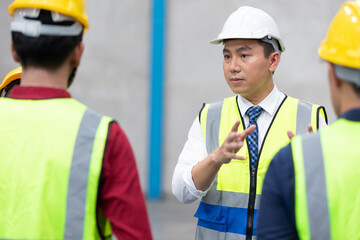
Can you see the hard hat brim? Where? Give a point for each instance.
(221, 40)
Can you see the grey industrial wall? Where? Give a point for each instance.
(114, 74)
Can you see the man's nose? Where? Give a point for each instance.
(235, 65)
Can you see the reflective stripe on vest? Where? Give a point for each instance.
(76, 197)
(316, 195)
(212, 129)
(235, 202)
(303, 116)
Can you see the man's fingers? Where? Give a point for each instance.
(234, 156)
(233, 147)
(309, 128)
(234, 135)
(239, 157)
(234, 142)
(250, 129)
(235, 126)
(247, 132)
(290, 134)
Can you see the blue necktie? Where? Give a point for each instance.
(253, 113)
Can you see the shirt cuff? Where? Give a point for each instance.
(189, 183)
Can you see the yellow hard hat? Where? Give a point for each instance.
(72, 8)
(10, 77)
(342, 43)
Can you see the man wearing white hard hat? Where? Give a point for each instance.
(232, 142)
(311, 190)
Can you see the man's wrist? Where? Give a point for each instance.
(216, 159)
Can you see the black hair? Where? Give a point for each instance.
(44, 51)
(268, 48)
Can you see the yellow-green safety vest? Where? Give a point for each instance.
(326, 167)
(229, 209)
(51, 154)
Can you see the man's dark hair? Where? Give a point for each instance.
(44, 51)
(268, 48)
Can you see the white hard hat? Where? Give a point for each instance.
(251, 23)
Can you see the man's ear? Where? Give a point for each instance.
(332, 74)
(274, 60)
(77, 53)
(14, 54)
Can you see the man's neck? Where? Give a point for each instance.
(40, 77)
(349, 99)
(258, 98)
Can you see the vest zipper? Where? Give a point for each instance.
(251, 205)
(253, 172)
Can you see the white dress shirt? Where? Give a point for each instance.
(195, 151)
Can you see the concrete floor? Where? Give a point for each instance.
(172, 220)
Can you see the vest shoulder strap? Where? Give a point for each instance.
(307, 113)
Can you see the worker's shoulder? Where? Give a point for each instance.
(301, 101)
(232, 98)
(91, 114)
(220, 102)
(217, 104)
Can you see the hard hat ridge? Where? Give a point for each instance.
(250, 23)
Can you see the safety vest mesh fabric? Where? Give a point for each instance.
(326, 167)
(51, 158)
(224, 208)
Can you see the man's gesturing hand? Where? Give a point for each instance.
(232, 144)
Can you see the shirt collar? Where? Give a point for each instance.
(268, 104)
(352, 115)
(37, 93)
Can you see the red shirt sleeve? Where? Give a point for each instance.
(122, 199)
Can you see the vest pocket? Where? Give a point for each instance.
(212, 216)
(234, 177)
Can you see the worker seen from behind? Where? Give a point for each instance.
(311, 190)
(217, 164)
(11, 79)
(66, 172)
